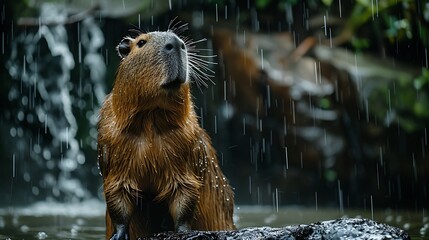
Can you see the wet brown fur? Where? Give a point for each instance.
(156, 161)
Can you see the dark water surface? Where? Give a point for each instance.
(86, 220)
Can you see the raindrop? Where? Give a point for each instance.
(340, 198)
(46, 123)
(55, 191)
(376, 6)
(35, 190)
(316, 72)
(293, 112)
(41, 235)
(244, 43)
(339, 7)
(224, 90)
(12, 132)
(244, 126)
(217, 17)
(80, 159)
(389, 100)
(37, 149)
(286, 159)
(215, 124)
(398, 219)
(20, 132)
(13, 166)
(414, 169)
(372, 209)
(46, 154)
(325, 25)
(27, 177)
(169, 5)
(20, 116)
(24, 228)
(426, 136)
(356, 68)
(366, 110)
(315, 197)
(250, 184)
(107, 57)
(80, 52)
(74, 231)
(226, 12)
(277, 200)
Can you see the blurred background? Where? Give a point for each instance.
(317, 108)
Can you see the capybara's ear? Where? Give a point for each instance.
(124, 47)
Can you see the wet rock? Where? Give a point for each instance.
(344, 228)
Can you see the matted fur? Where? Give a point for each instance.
(159, 169)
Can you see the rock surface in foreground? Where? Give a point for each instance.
(345, 228)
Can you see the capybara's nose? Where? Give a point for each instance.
(173, 43)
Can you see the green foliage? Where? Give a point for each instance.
(398, 19)
(327, 2)
(360, 43)
(330, 175)
(325, 103)
(403, 101)
(421, 84)
(23, 8)
(262, 3)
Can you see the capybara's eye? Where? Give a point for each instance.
(141, 43)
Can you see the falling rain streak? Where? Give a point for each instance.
(13, 166)
(340, 8)
(217, 14)
(340, 198)
(277, 199)
(215, 124)
(286, 159)
(316, 125)
(316, 202)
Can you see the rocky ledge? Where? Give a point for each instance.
(344, 228)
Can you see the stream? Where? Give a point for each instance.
(85, 220)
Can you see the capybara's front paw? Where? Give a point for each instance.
(183, 227)
(121, 233)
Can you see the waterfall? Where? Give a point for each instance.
(55, 107)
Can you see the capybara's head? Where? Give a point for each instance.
(153, 72)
